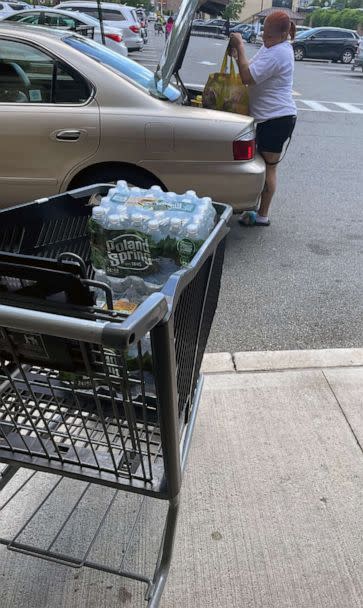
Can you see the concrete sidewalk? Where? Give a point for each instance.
(272, 500)
(272, 512)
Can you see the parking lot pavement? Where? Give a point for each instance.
(299, 283)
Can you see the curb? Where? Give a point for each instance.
(251, 361)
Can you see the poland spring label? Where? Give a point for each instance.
(128, 253)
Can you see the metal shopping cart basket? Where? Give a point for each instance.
(73, 402)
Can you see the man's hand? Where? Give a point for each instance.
(236, 41)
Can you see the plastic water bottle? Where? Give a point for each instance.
(99, 215)
(113, 222)
(121, 192)
(154, 231)
(192, 232)
(176, 227)
(207, 204)
(156, 190)
(137, 221)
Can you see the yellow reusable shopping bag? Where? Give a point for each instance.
(225, 91)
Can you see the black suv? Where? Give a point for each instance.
(332, 43)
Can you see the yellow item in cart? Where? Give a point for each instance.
(225, 91)
(197, 102)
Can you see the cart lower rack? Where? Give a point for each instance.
(93, 396)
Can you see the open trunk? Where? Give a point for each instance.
(173, 56)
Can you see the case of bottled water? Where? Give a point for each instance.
(140, 237)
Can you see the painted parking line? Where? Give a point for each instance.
(206, 63)
(315, 105)
(349, 107)
(296, 94)
(339, 107)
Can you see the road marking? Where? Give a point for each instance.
(206, 63)
(334, 72)
(349, 107)
(338, 107)
(315, 105)
(296, 94)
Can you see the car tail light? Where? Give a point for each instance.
(244, 149)
(114, 37)
(134, 28)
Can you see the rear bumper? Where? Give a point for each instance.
(238, 184)
(134, 43)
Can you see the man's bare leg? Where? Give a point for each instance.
(270, 183)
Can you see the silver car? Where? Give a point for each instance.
(119, 15)
(9, 8)
(77, 22)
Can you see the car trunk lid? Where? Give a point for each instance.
(173, 55)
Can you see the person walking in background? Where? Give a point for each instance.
(269, 76)
(169, 26)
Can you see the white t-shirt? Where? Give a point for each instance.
(272, 69)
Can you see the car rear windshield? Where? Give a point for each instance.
(124, 66)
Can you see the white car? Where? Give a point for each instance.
(114, 15)
(9, 8)
(78, 22)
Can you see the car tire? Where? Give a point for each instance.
(252, 39)
(299, 53)
(347, 56)
(108, 174)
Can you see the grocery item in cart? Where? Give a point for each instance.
(140, 237)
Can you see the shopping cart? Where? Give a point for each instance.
(81, 396)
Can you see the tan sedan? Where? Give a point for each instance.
(74, 113)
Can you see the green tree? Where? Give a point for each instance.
(233, 9)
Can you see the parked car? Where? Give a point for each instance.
(336, 44)
(259, 37)
(302, 28)
(221, 24)
(80, 114)
(78, 22)
(8, 8)
(358, 59)
(247, 31)
(116, 15)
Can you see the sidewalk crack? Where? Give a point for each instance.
(234, 361)
(343, 412)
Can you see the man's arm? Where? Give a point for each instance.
(242, 61)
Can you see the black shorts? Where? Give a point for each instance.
(272, 134)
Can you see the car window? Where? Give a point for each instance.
(323, 34)
(32, 19)
(54, 20)
(306, 34)
(111, 15)
(135, 72)
(28, 75)
(343, 35)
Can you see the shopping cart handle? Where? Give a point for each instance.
(145, 317)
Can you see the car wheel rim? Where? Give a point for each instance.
(299, 54)
(347, 57)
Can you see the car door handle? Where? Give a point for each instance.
(68, 135)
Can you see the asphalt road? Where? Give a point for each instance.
(299, 283)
